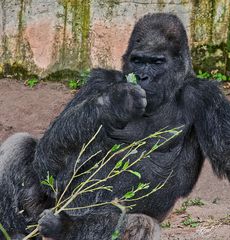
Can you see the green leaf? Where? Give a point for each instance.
(194, 225)
(115, 235)
(44, 182)
(135, 173)
(119, 164)
(131, 78)
(126, 165)
(115, 147)
(51, 180)
(142, 186)
(166, 224)
(73, 84)
(129, 195)
(31, 82)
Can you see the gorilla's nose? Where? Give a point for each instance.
(142, 77)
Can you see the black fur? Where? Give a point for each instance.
(158, 54)
(22, 199)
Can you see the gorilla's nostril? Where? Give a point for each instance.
(141, 77)
(144, 77)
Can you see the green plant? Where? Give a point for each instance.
(80, 81)
(189, 203)
(84, 74)
(115, 235)
(49, 181)
(31, 82)
(94, 184)
(166, 224)
(190, 222)
(131, 78)
(213, 75)
(192, 202)
(203, 74)
(220, 77)
(181, 210)
(74, 84)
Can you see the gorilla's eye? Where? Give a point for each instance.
(138, 40)
(158, 60)
(137, 60)
(147, 59)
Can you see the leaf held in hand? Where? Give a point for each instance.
(131, 78)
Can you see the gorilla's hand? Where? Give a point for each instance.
(126, 101)
(50, 225)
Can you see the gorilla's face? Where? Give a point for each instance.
(149, 61)
(158, 55)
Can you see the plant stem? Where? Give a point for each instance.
(4, 232)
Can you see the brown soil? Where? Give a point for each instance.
(32, 109)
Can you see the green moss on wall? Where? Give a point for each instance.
(161, 4)
(202, 20)
(75, 48)
(20, 30)
(16, 53)
(228, 49)
(210, 49)
(210, 57)
(109, 5)
(16, 70)
(63, 75)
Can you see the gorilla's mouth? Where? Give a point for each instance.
(149, 86)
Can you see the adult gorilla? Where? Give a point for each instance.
(167, 95)
(159, 56)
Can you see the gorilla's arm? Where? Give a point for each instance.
(91, 226)
(105, 100)
(210, 112)
(62, 226)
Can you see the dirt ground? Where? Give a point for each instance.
(25, 109)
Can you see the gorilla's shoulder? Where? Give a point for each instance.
(199, 93)
(202, 88)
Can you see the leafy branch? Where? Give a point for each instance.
(124, 164)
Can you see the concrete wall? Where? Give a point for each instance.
(46, 36)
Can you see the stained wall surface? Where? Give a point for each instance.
(46, 36)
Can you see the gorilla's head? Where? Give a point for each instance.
(158, 54)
